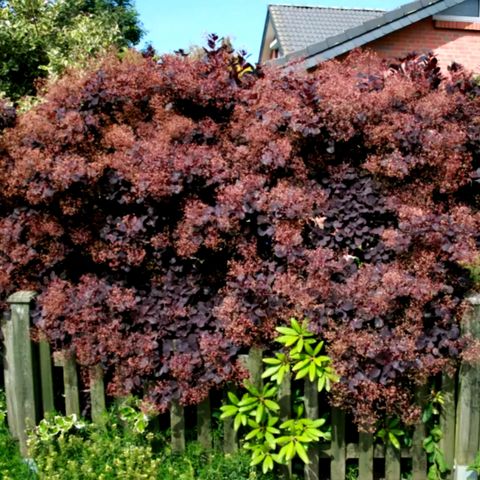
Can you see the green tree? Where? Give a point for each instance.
(40, 38)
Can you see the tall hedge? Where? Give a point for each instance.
(166, 202)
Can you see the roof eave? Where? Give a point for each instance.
(367, 32)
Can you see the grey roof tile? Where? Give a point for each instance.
(335, 27)
(298, 27)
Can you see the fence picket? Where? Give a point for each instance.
(21, 377)
(285, 402)
(447, 420)
(365, 457)
(97, 394)
(70, 380)
(311, 411)
(177, 427)
(46, 377)
(204, 426)
(338, 450)
(9, 374)
(255, 366)
(392, 463)
(419, 458)
(229, 436)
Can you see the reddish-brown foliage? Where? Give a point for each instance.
(172, 214)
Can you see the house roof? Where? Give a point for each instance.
(298, 27)
(355, 36)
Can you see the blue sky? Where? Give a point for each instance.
(174, 24)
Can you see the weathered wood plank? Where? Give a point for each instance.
(419, 457)
(467, 437)
(177, 427)
(230, 444)
(46, 377)
(9, 374)
(311, 411)
(338, 451)
(353, 451)
(255, 366)
(23, 381)
(70, 383)
(365, 456)
(447, 419)
(285, 402)
(204, 425)
(285, 397)
(392, 463)
(97, 394)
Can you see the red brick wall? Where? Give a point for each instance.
(451, 41)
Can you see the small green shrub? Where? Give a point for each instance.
(64, 447)
(12, 466)
(197, 464)
(122, 447)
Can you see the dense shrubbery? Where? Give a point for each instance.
(153, 202)
(68, 448)
(12, 466)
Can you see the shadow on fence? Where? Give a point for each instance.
(30, 387)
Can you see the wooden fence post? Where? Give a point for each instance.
(177, 422)
(365, 457)
(46, 376)
(392, 463)
(285, 402)
(9, 373)
(70, 380)
(467, 433)
(255, 366)
(204, 425)
(97, 394)
(177, 426)
(419, 457)
(19, 368)
(447, 420)
(311, 410)
(338, 450)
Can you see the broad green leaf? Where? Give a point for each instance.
(302, 453)
(394, 441)
(271, 371)
(233, 398)
(301, 364)
(271, 405)
(238, 421)
(302, 373)
(267, 464)
(296, 326)
(272, 361)
(287, 331)
(259, 413)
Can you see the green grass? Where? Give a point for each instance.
(12, 466)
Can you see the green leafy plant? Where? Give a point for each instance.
(475, 465)
(391, 433)
(438, 468)
(270, 441)
(352, 472)
(12, 466)
(66, 447)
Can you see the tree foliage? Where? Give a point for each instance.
(40, 38)
(173, 213)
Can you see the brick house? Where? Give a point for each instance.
(449, 28)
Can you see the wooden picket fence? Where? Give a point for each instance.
(29, 386)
